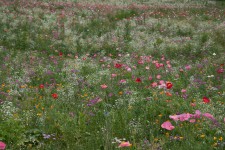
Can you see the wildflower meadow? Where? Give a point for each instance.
(111, 74)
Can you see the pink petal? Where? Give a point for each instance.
(208, 115)
(2, 145)
(167, 125)
(125, 144)
(192, 120)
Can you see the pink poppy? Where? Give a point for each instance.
(125, 144)
(167, 125)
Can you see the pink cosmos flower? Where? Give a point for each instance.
(192, 120)
(104, 86)
(158, 76)
(167, 125)
(157, 65)
(193, 104)
(2, 145)
(208, 115)
(123, 81)
(174, 117)
(114, 75)
(125, 144)
(188, 67)
(150, 78)
(184, 117)
(197, 114)
(154, 84)
(183, 90)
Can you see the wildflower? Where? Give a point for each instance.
(60, 54)
(138, 80)
(183, 90)
(169, 85)
(192, 120)
(168, 94)
(2, 145)
(206, 100)
(193, 104)
(118, 65)
(41, 86)
(188, 67)
(125, 144)
(167, 125)
(158, 76)
(208, 115)
(104, 86)
(154, 84)
(202, 136)
(221, 70)
(123, 81)
(221, 138)
(113, 75)
(55, 95)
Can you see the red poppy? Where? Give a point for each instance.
(206, 100)
(169, 85)
(41, 86)
(118, 65)
(60, 53)
(138, 80)
(55, 96)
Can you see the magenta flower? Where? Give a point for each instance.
(167, 125)
(2, 145)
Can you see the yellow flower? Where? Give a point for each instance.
(167, 134)
(120, 93)
(202, 136)
(160, 115)
(23, 86)
(221, 138)
(8, 91)
(3, 84)
(39, 114)
(214, 138)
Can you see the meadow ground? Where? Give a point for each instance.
(104, 75)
